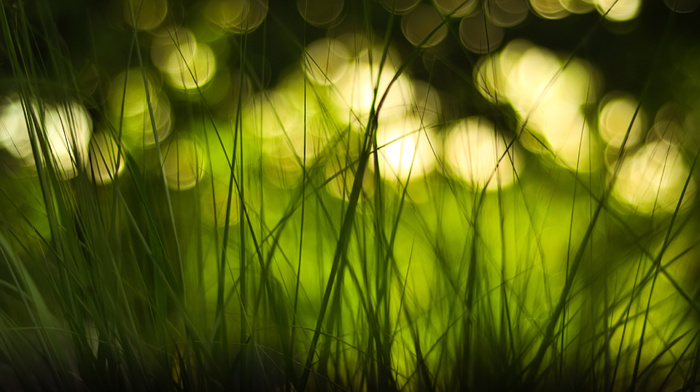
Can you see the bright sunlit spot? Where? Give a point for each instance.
(615, 121)
(326, 60)
(477, 153)
(357, 91)
(66, 127)
(549, 9)
(12, 126)
(492, 73)
(531, 80)
(406, 149)
(189, 65)
(619, 10)
(652, 179)
(549, 97)
(283, 115)
(567, 135)
(290, 127)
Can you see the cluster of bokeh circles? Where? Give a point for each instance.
(482, 24)
(318, 111)
(550, 96)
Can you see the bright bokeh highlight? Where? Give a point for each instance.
(356, 91)
(620, 117)
(653, 178)
(186, 63)
(477, 153)
(64, 129)
(406, 149)
(326, 60)
(549, 9)
(619, 10)
(549, 97)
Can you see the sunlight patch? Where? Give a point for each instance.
(477, 153)
(653, 178)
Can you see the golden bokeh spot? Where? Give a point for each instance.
(619, 117)
(65, 128)
(548, 97)
(619, 10)
(190, 67)
(476, 153)
(652, 179)
(356, 91)
(578, 6)
(549, 9)
(326, 60)
(405, 149)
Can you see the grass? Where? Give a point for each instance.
(267, 231)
